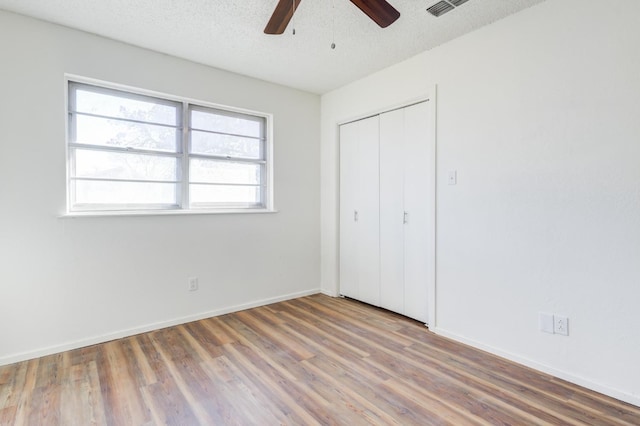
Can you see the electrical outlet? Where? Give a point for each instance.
(193, 284)
(561, 325)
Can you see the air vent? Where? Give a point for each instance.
(443, 7)
(439, 8)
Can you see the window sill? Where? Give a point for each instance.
(74, 215)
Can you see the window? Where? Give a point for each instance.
(129, 151)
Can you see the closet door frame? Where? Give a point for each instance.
(430, 189)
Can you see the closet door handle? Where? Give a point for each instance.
(355, 215)
(405, 218)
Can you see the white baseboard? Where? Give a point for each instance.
(581, 381)
(329, 293)
(23, 356)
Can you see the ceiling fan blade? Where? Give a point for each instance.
(381, 12)
(281, 16)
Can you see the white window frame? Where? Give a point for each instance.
(183, 154)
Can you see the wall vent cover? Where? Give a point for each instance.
(439, 8)
(443, 7)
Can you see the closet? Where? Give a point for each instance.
(386, 210)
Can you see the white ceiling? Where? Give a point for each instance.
(228, 34)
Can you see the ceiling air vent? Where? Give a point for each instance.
(443, 7)
(439, 8)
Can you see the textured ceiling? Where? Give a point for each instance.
(228, 34)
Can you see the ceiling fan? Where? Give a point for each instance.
(381, 12)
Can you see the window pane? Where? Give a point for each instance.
(116, 165)
(215, 171)
(131, 193)
(219, 122)
(101, 131)
(125, 107)
(128, 150)
(221, 194)
(233, 146)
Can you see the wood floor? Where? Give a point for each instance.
(314, 360)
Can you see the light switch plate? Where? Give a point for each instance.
(545, 321)
(453, 177)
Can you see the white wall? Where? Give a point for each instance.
(69, 282)
(539, 115)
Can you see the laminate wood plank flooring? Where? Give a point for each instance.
(310, 361)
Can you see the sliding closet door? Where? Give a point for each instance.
(349, 177)
(369, 211)
(419, 205)
(392, 213)
(359, 211)
(387, 210)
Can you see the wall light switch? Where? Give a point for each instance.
(453, 177)
(545, 322)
